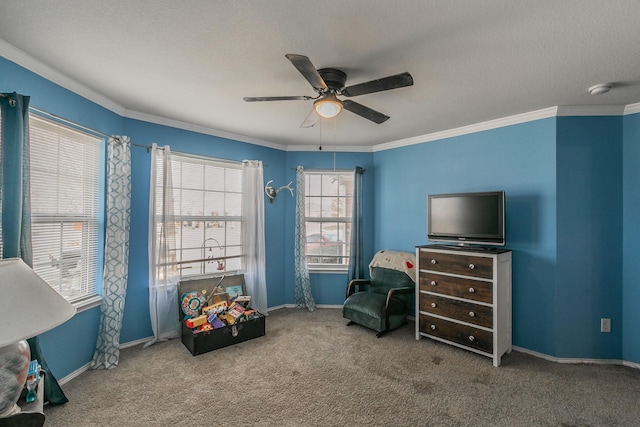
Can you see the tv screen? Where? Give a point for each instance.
(467, 218)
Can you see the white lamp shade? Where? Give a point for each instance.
(328, 107)
(28, 305)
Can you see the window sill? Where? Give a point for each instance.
(327, 270)
(87, 304)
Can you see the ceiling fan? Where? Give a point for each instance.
(329, 83)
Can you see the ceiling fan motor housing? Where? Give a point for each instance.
(334, 78)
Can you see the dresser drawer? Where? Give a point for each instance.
(468, 336)
(466, 265)
(459, 310)
(456, 287)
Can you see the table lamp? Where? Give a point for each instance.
(28, 307)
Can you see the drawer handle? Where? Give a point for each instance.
(471, 266)
(472, 338)
(472, 290)
(433, 283)
(433, 261)
(471, 314)
(433, 327)
(434, 305)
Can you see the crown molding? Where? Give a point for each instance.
(130, 114)
(331, 148)
(14, 54)
(30, 63)
(474, 128)
(632, 108)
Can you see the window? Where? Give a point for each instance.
(328, 207)
(66, 188)
(208, 212)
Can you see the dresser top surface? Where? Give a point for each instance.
(474, 249)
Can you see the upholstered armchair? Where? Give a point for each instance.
(383, 301)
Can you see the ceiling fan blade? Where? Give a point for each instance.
(276, 98)
(308, 70)
(365, 112)
(311, 119)
(385, 83)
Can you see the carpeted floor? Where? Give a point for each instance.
(310, 369)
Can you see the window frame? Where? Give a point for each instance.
(89, 262)
(346, 220)
(211, 250)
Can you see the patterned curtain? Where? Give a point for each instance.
(163, 272)
(303, 296)
(16, 205)
(253, 233)
(356, 267)
(116, 253)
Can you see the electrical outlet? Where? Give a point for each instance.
(605, 325)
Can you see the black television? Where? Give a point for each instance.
(467, 218)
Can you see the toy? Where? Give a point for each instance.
(196, 321)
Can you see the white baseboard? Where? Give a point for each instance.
(634, 365)
(573, 360)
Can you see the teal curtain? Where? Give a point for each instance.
(16, 207)
(302, 290)
(116, 253)
(356, 263)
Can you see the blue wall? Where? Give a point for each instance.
(519, 159)
(549, 168)
(631, 239)
(589, 261)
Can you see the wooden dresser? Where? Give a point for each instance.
(463, 298)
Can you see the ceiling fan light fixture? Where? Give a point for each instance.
(328, 107)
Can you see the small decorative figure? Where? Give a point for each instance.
(272, 192)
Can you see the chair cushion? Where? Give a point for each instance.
(367, 309)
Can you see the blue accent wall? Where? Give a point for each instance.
(572, 218)
(589, 237)
(631, 239)
(519, 159)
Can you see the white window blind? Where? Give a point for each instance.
(328, 208)
(66, 173)
(208, 212)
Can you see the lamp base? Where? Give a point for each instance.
(14, 366)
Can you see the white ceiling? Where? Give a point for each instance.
(192, 62)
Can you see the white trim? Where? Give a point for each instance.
(24, 60)
(14, 54)
(74, 374)
(631, 364)
(590, 110)
(574, 360)
(474, 128)
(88, 303)
(331, 148)
(632, 108)
(86, 367)
(136, 342)
(130, 114)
